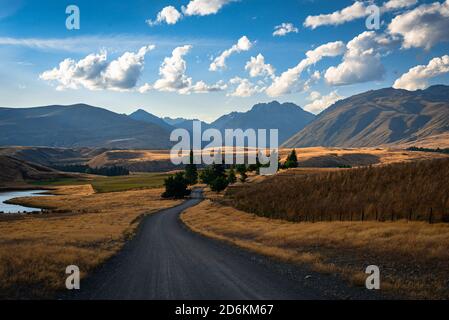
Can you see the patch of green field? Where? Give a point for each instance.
(131, 182)
(60, 182)
(112, 184)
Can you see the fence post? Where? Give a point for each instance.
(410, 214)
(430, 215)
(377, 215)
(363, 215)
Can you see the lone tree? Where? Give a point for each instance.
(191, 171)
(292, 160)
(231, 176)
(176, 186)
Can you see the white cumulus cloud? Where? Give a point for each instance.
(169, 15)
(284, 29)
(361, 62)
(173, 76)
(219, 63)
(287, 81)
(257, 67)
(399, 4)
(244, 88)
(417, 77)
(355, 11)
(319, 103)
(94, 72)
(423, 26)
(204, 7)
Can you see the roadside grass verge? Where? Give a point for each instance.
(82, 228)
(412, 256)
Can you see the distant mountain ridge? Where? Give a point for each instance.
(288, 118)
(374, 118)
(78, 125)
(380, 117)
(142, 115)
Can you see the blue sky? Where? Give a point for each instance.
(350, 58)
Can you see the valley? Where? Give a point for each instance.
(358, 195)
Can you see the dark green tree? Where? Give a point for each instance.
(292, 160)
(219, 184)
(231, 176)
(191, 171)
(207, 175)
(219, 170)
(176, 186)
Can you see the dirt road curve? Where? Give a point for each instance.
(167, 261)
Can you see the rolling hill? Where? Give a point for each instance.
(381, 117)
(15, 171)
(77, 126)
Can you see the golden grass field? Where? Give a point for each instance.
(385, 155)
(82, 228)
(412, 256)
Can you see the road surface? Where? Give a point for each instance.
(167, 261)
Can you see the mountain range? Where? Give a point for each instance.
(78, 126)
(379, 117)
(288, 118)
(374, 118)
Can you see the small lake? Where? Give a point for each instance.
(12, 208)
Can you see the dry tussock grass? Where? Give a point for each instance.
(414, 191)
(413, 256)
(82, 228)
(385, 155)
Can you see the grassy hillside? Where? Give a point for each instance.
(415, 191)
(380, 117)
(14, 172)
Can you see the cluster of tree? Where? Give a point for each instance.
(291, 162)
(437, 150)
(177, 185)
(216, 176)
(103, 171)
